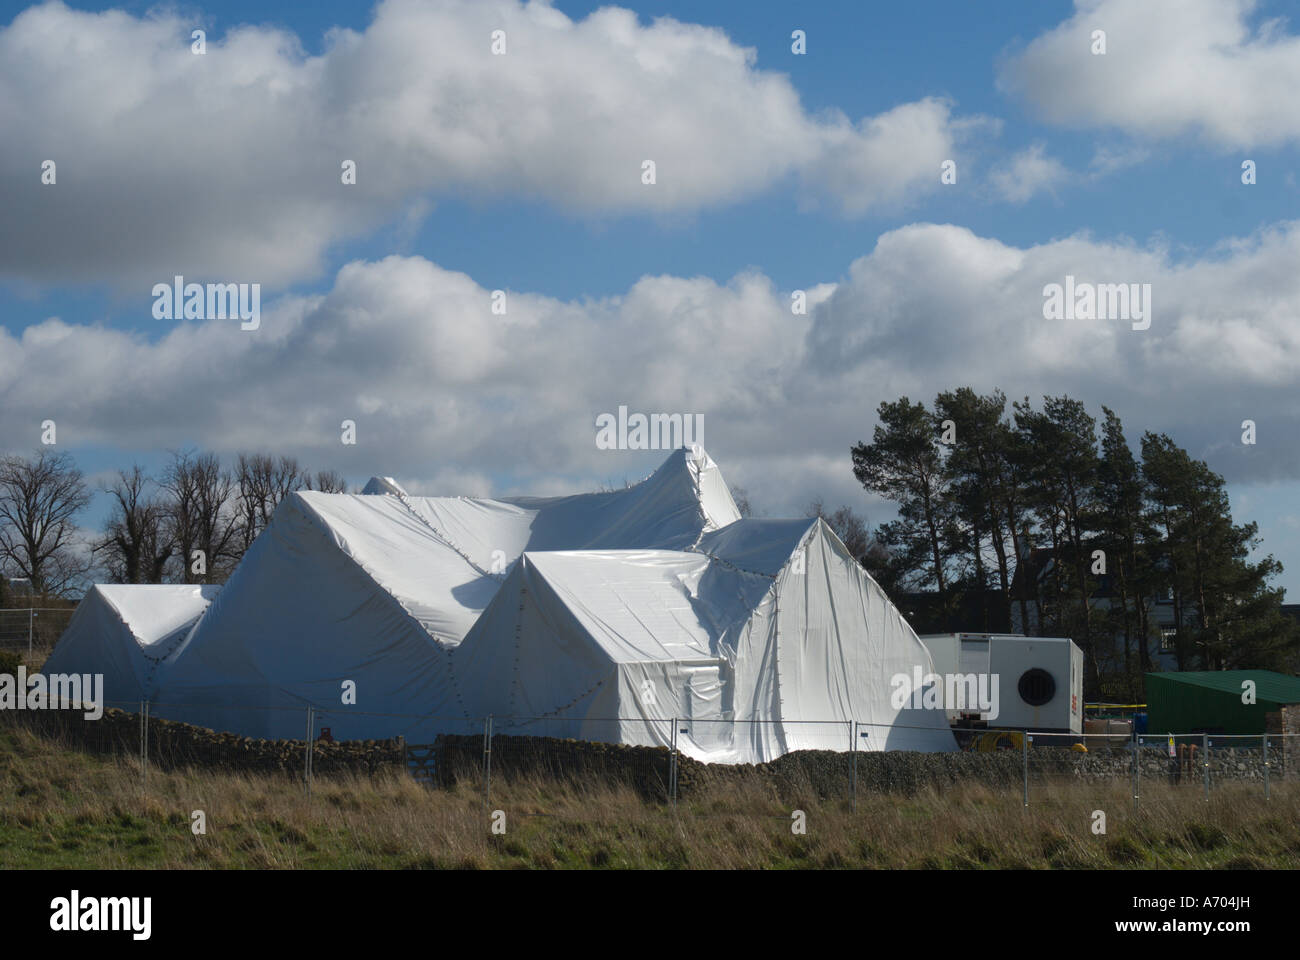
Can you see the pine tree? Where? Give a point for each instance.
(982, 472)
(904, 463)
(1062, 442)
(1145, 530)
(1124, 533)
(1227, 615)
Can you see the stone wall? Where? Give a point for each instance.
(1226, 764)
(813, 773)
(173, 744)
(818, 774)
(1286, 721)
(827, 774)
(644, 769)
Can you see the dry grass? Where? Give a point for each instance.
(62, 808)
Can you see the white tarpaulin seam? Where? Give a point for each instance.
(451, 674)
(736, 567)
(499, 577)
(323, 527)
(555, 714)
(177, 635)
(804, 538)
(519, 629)
(740, 595)
(177, 638)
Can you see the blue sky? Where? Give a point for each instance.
(863, 58)
(1139, 182)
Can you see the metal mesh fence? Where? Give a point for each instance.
(33, 631)
(668, 758)
(1185, 762)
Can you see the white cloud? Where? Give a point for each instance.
(1108, 159)
(226, 166)
(445, 391)
(1028, 173)
(887, 159)
(1171, 67)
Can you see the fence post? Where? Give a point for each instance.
(31, 613)
(853, 747)
(306, 755)
(1137, 746)
(487, 766)
(1205, 758)
(144, 742)
(672, 768)
(668, 782)
(1266, 766)
(1024, 753)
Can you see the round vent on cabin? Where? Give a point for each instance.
(1036, 687)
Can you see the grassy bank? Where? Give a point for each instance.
(63, 808)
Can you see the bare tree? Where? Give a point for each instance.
(39, 500)
(286, 478)
(253, 477)
(263, 482)
(136, 544)
(741, 498)
(328, 481)
(201, 516)
(848, 526)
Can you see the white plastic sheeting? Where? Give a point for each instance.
(380, 590)
(602, 616)
(387, 485)
(610, 645)
(124, 631)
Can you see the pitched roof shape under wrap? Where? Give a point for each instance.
(601, 615)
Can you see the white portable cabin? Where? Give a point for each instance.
(1039, 679)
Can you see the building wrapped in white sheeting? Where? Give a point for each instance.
(603, 616)
(125, 632)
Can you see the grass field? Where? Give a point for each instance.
(62, 808)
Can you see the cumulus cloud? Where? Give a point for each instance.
(227, 166)
(451, 398)
(1028, 173)
(1171, 67)
(884, 160)
(935, 306)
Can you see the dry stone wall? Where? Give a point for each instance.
(173, 744)
(818, 774)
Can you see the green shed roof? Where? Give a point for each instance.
(1270, 686)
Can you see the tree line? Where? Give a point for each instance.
(1102, 534)
(189, 523)
(1042, 517)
